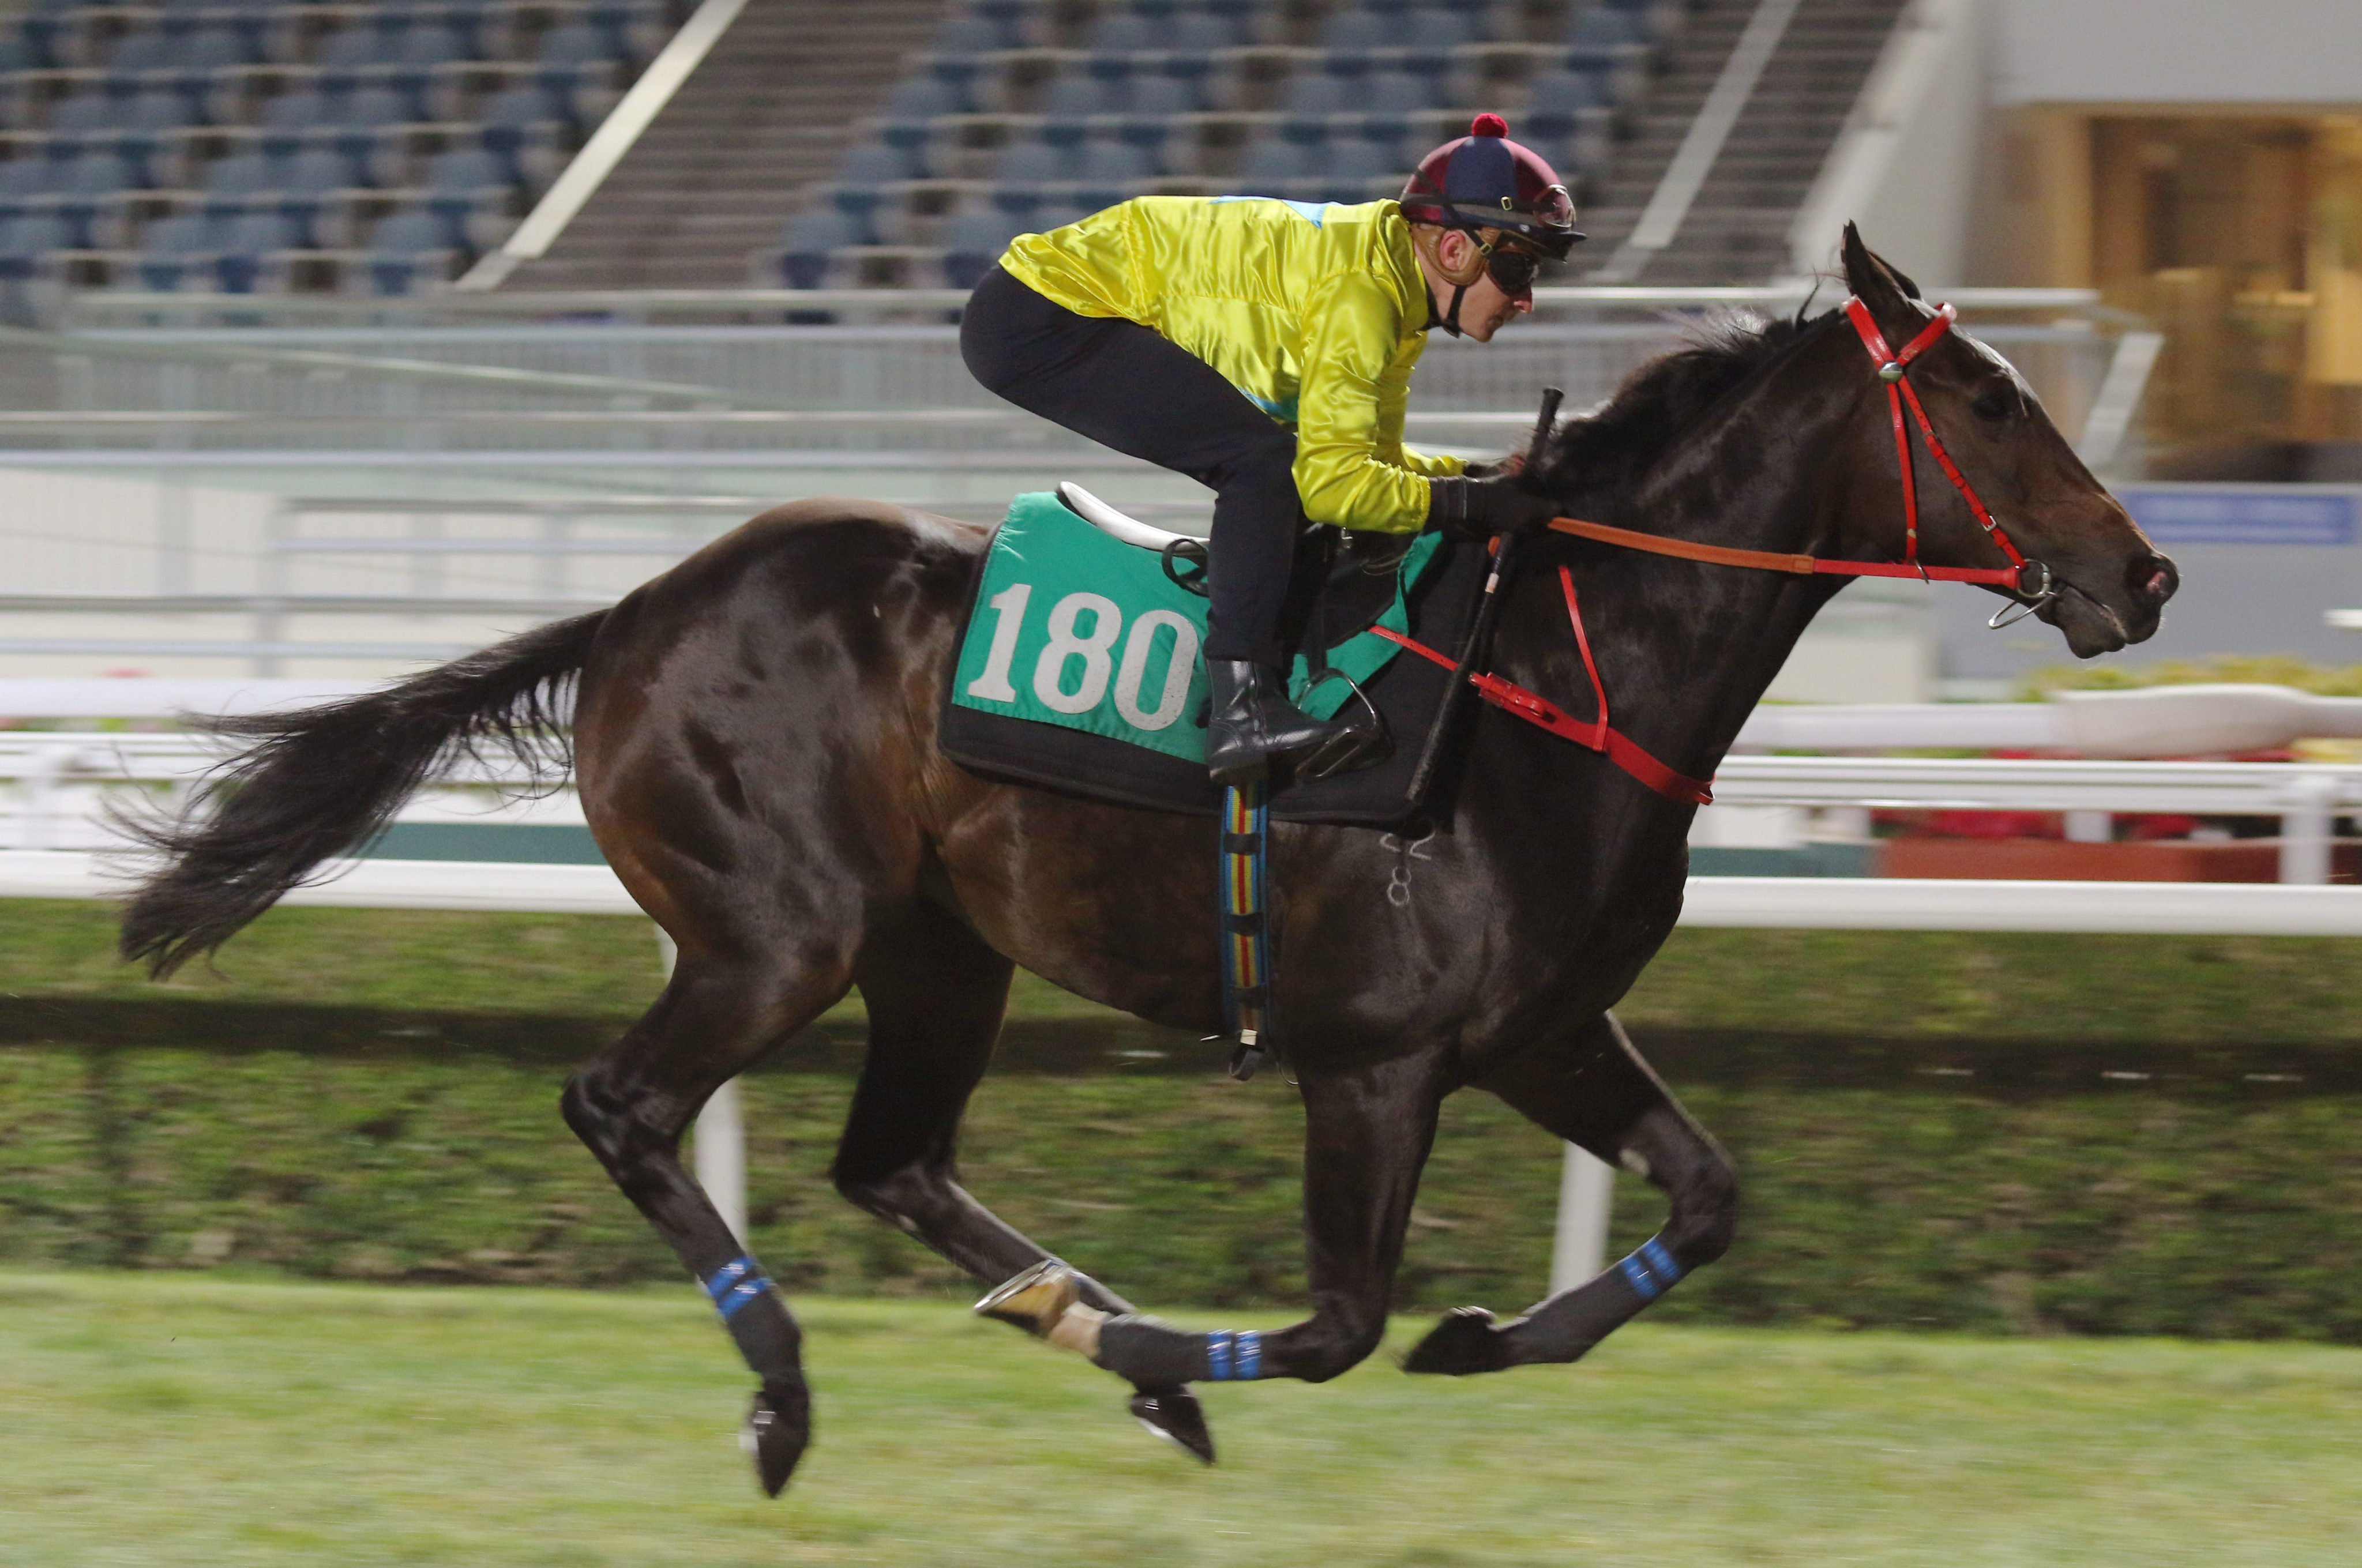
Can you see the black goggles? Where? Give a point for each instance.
(1512, 271)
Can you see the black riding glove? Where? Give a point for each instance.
(1480, 508)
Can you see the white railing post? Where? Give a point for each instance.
(2306, 827)
(718, 1147)
(1586, 1191)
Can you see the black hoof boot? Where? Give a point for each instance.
(1254, 727)
(1466, 1340)
(777, 1432)
(1174, 1415)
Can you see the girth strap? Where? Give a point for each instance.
(1245, 925)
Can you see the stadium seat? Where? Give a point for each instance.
(1399, 92)
(1356, 30)
(1318, 93)
(925, 98)
(470, 190)
(877, 163)
(28, 238)
(248, 245)
(409, 252)
(82, 187)
(175, 252)
(808, 241)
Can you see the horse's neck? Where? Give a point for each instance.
(1686, 650)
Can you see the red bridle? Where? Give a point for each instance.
(1894, 371)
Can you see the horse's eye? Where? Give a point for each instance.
(1999, 403)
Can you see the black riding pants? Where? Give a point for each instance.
(1124, 386)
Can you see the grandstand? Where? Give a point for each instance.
(256, 146)
(380, 148)
(1026, 114)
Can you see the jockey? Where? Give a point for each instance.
(1265, 348)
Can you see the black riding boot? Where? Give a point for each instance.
(1255, 725)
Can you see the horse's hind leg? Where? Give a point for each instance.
(1597, 1093)
(935, 994)
(717, 1017)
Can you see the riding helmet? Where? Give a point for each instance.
(1485, 181)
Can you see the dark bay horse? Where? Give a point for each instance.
(753, 735)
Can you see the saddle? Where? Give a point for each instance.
(1077, 668)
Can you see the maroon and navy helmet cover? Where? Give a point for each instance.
(1485, 181)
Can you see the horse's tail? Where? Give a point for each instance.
(320, 780)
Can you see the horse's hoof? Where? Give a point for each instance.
(777, 1430)
(1174, 1415)
(1036, 1299)
(1466, 1340)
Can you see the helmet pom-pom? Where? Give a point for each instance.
(1488, 124)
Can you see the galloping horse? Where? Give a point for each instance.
(754, 737)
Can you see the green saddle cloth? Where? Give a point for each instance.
(1074, 627)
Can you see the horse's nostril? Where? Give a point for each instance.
(2155, 580)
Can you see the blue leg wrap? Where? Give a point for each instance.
(734, 1285)
(1652, 1271)
(1234, 1357)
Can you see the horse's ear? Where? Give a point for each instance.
(1869, 276)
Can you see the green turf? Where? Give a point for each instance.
(164, 1421)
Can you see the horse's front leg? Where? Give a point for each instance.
(1597, 1093)
(1368, 1133)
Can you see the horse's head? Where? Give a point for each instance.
(2111, 583)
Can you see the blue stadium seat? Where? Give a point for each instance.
(1031, 163)
(924, 98)
(409, 253)
(575, 44)
(176, 251)
(1117, 162)
(82, 187)
(1357, 30)
(1562, 92)
(1429, 27)
(1318, 93)
(85, 112)
(1076, 94)
(809, 238)
(26, 239)
(1158, 95)
(1129, 31)
(1279, 158)
(31, 174)
(248, 243)
(1357, 157)
(975, 35)
(522, 122)
(1604, 27)
(973, 244)
(242, 174)
(878, 163)
(470, 190)
(1399, 92)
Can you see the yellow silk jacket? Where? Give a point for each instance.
(1316, 313)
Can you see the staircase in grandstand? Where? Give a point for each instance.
(1736, 228)
(770, 112)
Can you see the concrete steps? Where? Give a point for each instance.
(767, 113)
(1736, 229)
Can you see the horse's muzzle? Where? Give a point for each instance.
(2153, 579)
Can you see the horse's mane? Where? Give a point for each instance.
(1659, 404)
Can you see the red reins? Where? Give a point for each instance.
(1599, 735)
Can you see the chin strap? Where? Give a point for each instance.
(1449, 320)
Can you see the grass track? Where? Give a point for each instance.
(153, 1420)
